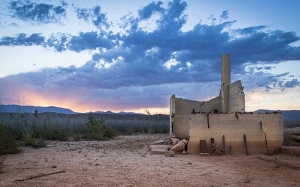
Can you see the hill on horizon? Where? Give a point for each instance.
(289, 116)
(31, 109)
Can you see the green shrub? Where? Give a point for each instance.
(97, 129)
(30, 140)
(8, 144)
(53, 132)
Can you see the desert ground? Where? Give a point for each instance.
(126, 161)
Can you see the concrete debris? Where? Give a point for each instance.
(169, 153)
(180, 146)
(174, 141)
(159, 149)
(162, 142)
(168, 147)
(158, 142)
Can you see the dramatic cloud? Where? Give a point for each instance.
(150, 9)
(140, 59)
(93, 15)
(23, 40)
(39, 13)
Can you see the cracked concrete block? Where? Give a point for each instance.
(180, 146)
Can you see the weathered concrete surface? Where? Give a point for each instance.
(207, 106)
(236, 97)
(181, 110)
(181, 116)
(233, 127)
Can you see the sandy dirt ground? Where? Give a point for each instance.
(126, 161)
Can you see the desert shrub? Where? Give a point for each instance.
(8, 144)
(53, 132)
(97, 129)
(30, 140)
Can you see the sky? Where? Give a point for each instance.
(133, 55)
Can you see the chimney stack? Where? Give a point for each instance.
(225, 82)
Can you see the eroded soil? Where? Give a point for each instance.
(126, 161)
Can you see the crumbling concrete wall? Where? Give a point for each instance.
(233, 126)
(236, 97)
(207, 106)
(180, 110)
(180, 116)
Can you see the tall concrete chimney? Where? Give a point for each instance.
(225, 82)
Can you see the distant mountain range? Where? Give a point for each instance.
(32, 109)
(40, 109)
(288, 115)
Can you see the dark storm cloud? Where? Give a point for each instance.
(139, 57)
(94, 15)
(40, 13)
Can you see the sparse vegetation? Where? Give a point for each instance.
(97, 129)
(8, 144)
(33, 128)
(30, 140)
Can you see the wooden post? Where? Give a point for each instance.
(245, 142)
(230, 150)
(212, 141)
(224, 148)
(203, 147)
(207, 118)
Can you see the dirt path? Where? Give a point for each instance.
(125, 161)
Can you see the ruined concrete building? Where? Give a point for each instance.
(221, 124)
